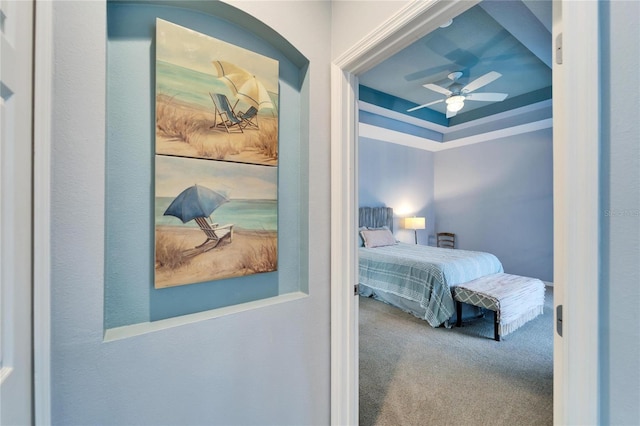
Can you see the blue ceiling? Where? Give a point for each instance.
(512, 38)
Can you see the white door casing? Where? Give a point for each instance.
(414, 20)
(16, 25)
(576, 190)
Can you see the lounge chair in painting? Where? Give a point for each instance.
(249, 118)
(214, 232)
(225, 113)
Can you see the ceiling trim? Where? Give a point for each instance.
(392, 136)
(504, 119)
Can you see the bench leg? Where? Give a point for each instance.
(496, 334)
(458, 314)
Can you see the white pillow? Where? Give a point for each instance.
(377, 238)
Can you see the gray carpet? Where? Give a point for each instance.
(413, 374)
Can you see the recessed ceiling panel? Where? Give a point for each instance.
(474, 44)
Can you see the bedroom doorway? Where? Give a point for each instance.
(574, 242)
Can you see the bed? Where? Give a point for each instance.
(415, 278)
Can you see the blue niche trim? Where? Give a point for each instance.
(399, 126)
(130, 160)
(401, 106)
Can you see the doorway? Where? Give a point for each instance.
(468, 189)
(575, 243)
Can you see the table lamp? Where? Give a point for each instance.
(414, 223)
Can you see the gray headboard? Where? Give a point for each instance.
(376, 217)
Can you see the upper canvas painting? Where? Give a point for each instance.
(214, 100)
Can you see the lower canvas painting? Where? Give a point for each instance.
(214, 220)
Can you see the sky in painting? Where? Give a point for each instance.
(190, 49)
(241, 181)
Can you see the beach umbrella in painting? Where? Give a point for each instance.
(244, 85)
(195, 201)
(254, 93)
(231, 75)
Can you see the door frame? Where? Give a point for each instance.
(576, 202)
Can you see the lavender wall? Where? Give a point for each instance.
(497, 197)
(400, 177)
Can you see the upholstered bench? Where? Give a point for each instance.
(514, 300)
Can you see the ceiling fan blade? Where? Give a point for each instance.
(481, 81)
(425, 105)
(451, 113)
(437, 88)
(428, 72)
(486, 97)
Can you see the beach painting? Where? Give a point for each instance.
(213, 220)
(214, 100)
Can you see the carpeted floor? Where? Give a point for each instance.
(413, 374)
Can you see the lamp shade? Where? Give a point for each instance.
(414, 222)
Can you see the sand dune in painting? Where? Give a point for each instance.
(184, 129)
(248, 253)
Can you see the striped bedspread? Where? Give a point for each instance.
(424, 274)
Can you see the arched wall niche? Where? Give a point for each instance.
(131, 304)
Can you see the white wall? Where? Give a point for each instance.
(263, 366)
(352, 21)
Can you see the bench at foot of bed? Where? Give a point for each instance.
(514, 300)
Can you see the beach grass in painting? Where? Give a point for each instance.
(250, 252)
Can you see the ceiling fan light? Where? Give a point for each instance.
(455, 103)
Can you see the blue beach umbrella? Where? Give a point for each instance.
(195, 201)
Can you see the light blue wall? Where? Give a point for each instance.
(497, 196)
(267, 365)
(620, 214)
(399, 177)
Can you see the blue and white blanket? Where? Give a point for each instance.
(424, 274)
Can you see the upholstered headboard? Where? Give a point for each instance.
(376, 217)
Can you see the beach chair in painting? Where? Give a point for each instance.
(214, 232)
(225, 114)
(249, 118)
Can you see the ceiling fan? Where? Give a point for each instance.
(456, 93)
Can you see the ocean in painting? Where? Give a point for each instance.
(193, 87)
(247, 214)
